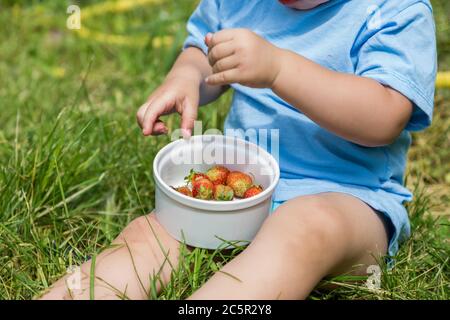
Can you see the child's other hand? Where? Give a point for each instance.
(176, 94)
(241, 56)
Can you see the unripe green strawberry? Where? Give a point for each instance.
(218, 174)
(239, 182)
(202, 188)
(253, 191)
(184, 190)
(223, 193)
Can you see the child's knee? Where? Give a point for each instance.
(309, 221)
(145, 235)
(139, 229)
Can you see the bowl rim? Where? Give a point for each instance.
(215, 205)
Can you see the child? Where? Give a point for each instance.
(344, 82)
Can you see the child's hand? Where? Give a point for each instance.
(177, 94)
(241, 56)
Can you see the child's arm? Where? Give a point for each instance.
(182, 91)
(358, 109)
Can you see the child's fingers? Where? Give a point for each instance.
(208, 38)
(154, 110)
(223, 78)
(220, 51)
(226, 63)
(218, 37)
(159, 128)
(140, 114)
(188, 117)
(142, 109)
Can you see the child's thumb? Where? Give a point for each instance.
(208, 39)
(188, 117)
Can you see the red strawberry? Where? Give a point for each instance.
(253, 191)
(223, 193)
(192, 176)
(184, 190)
(240, 182)
(218, 174)
(202, 188)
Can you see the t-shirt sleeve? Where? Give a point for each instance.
(402, 55)
(204, 19)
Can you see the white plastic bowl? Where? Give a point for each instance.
(207, 224)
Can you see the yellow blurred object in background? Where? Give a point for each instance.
(443, 80)
(115, 6)
(113, 39)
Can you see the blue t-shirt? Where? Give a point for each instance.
(390, 41)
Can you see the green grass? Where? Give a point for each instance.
(74, 168)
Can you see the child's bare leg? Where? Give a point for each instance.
(115, 268)
(306, 239)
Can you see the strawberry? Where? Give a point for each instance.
(184, 190)
(217, 174)
(202, 188)
(253, 191)
(239, 182)
(223, 193)
(193, 175)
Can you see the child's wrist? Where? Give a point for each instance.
(280, 61)
(187, 73)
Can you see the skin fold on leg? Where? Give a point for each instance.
(141, 251)
(303, 241)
